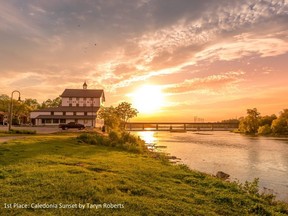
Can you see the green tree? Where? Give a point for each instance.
(264, 130)
(110, 117)
(280, 125)
(115, 118)
(250, 123)
(267, 120)
(4, 103)
(125, 111)
(51, 103)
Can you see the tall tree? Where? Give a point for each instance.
(125, 111)
(115, 118)
(51, 103)
(250, 123)
(4, 103)
(110, 117)
(267, 120)
(280, 125)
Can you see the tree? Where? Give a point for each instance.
(250, 123)
(115, 118)
(125, 111)
(110, 117)
(4, 103)
(51, 103)
(284, 114)
(280, 125)
(267, 120)
(264, 130)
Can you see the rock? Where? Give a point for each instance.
(222, 175)
(172, 157)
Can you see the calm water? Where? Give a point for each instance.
(243, 157)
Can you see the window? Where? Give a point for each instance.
(63, 121)
(48, 121)
(55, 121)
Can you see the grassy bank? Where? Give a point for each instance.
(61, 171)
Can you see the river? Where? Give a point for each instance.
(242, 157)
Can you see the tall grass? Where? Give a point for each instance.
(123, 140)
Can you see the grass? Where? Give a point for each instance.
(60, 170)
(14, 132)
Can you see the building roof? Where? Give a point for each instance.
(65, 117)
(84, 93)
(69, 109)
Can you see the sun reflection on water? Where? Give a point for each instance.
(149, 137)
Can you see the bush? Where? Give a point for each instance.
(124, 141)
(251, 187)
(279, 126)
(93, 139)
(12, 131)
(264, 130)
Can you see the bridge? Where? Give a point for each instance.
(180, 126)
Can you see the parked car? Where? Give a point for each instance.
(72, 125)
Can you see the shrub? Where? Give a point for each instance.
(93, 139)
(264, 130)
(113, 136)
(251, 187)
(279, 126)
(13, 131)
(124, 141)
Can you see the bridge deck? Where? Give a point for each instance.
(180, 127)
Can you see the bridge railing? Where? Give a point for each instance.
(186, 126)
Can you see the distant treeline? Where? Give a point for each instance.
(22, 109)
(254, 123)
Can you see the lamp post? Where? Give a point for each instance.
(92, 113)
(11, 108)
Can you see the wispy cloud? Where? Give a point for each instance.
(245, 45)
(189, 47)
(212, 84)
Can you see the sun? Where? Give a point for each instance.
(148, 99)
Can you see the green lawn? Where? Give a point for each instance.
(60, 171)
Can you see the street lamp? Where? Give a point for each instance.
(11, 108)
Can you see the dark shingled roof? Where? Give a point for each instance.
(85, 93)
(69, 109)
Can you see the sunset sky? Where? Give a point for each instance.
(212, 59)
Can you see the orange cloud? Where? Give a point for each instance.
(211, 83)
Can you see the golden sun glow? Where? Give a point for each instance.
(148, 99)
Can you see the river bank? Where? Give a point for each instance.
(243, 157)
(57, 169)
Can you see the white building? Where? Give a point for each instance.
(78, 105)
